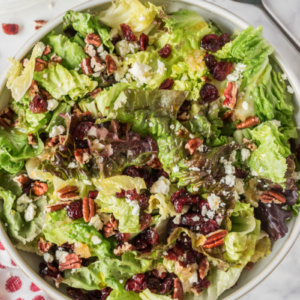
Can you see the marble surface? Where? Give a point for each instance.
(284, 282)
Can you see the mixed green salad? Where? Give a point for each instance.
(146, 155)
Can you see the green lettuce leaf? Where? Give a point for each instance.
(71, 53)
(147, 295)
(17, 228)
(59, 81)
(86, 23)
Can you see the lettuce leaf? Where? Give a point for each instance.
(241, 240)
(17, 228)
(59, 81)
(86, 23)
(131, 12)
(269, 160)
(71, 53)
(147, 295)
(19, 79)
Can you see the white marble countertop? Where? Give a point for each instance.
(284, 282)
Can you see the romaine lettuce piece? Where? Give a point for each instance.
(147, 295)
(59, 81)
(131, 12)
(86, 23)
(19, 79)
(71, 53)
(18, 228)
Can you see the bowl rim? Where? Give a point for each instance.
(221, 12)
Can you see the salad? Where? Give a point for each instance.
(146, 155)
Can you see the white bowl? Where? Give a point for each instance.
(249, 279)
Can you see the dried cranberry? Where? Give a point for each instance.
(122, 237)
(208, 227)
(133, 171)
(209, 93)
(48, 270)
(166, 286)
(191, 219)
(171, 226)
(93, 194)
(222, 69)
(10, 29)
(127, 33)
(185, 242)
(210, 62)
(76, 294)
(224, 38)
(136, 284)
(151, 236)
(105, 293)
(132, 194)
(210, 42)
(240, 173)
(38, 105)
(143, 201)
(81, 130)
(74, 210)
(145, 220)
(153, 284)
(165, 51)
(191, 257)
(182, 198)
(291, 196)
(144, 41)
(120, 194)
(178, 250)
(171, 255)
(160, 275)
(167, 84)
(146, 239)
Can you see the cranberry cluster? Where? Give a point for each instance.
(143, 199)
(157, 282)
(212, 42)
(74, 210)
(144, 241)
(77, 294)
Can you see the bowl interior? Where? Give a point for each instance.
(228, 22)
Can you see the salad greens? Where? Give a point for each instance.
(147, 155)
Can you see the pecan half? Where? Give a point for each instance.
(86, 66)
(82, 155)
(21, 180)
(47, 50)
(249, 122)
(230, 94)
(88, 208)
(57, 206)
(155, 163)
(39, 188)
(197, 289)
(215, 239)
(56, 59)
(203, 268)
(39, 23)
(122, 248)
(33, 90)
(193, 144)
(31, 140)
(205, 79)
(110, 227)
(94, 39)
(72, 261)
(51, 142)
(183, 116)
(249, 265)
(178, 290)
(69, 192)
(44, 246)
(6, 117)
(228, 116)
(95, 92)
(272, 196)
(251, 146)
(110, 64)
(40, 65)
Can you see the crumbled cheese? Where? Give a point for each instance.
(161, 67)
(120, 73)
(229, 168)
(30, 212)
(245, 105)
(48, 258)
(194, 169)
(92, 131)
(177, 220)
(245, 154)
(141, 72)
(52, 104)
(239, 186)
(161, 186)
(124, 47)
(201, 148)
(214, 201)
(150, 124)
(135, 205)
(61, 255)
(175, 169)
(87, 182)
(184, 77)
(172, 126)
(196, 218)
(22, 203)
(96, 222)
(283, 76)
(102, 52)
(229, 180)
(57, 130)
(276, 123)
(290, 89)
(142, 18)
(96, 240)
(96, 145)
(45, 75)
(237, 72)
(72, 165)
(210, 214)
(193, 278)
(232, 156)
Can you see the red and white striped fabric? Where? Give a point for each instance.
(14, 284)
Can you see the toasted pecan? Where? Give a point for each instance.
(230, 94)
(215, 239)
(110, 64)
(249, 122)
(203, 268)
(57, 206)
(72, 261)
(69, 192)
(82, 155)
(95, 92)
(88, 209)
(272, 196)
(178, 290)
(193, 144)
(44, 246)
(39, 188)
(94, 39)
(40, 65)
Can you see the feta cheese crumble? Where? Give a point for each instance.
(161, 186)
(48, 257)
(213, 201)
(57, 130)
(245, 154)
(141, 72)
(30, 212)
(96, 222)
(290, 89)
(135, 205)
(61, 255)
(96, 240)
(161, 67)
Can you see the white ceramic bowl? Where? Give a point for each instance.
(249, 279)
